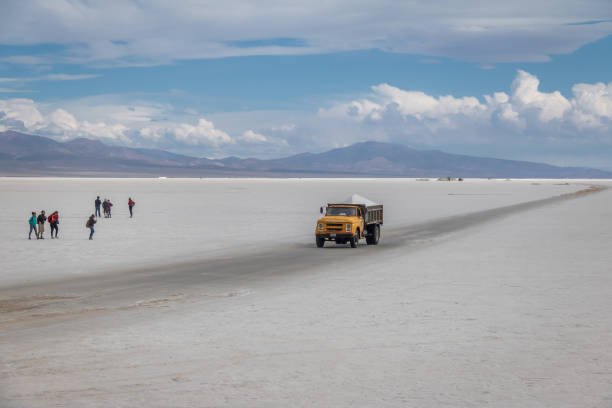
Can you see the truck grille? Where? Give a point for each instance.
(334, 227)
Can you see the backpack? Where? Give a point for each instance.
(88, 224)
(50, 219)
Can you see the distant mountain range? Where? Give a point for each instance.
(28, 155)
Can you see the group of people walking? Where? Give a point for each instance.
(37, 224)
(106, 207)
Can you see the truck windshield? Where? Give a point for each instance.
(342, 211)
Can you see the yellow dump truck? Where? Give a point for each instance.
(349, 221)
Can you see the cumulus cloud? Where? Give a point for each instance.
(526, 95)
(203, 133)
(416, 104)
(24, 115)
(22, 111)
(499, 104)
(268, 144)
(63, 120)
(387, 99)
(101, 130)
(253, 137)
(120, 32)
(65, 126)
(391, 110)
(119, 123)
(592, 104)
(419, 105)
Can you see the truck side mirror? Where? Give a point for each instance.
(321, 210)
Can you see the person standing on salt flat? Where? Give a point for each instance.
(90, 224)
(131, 205)
(32, 222)
(109, 206)
(54, 222)
(41, 224)
(105, 208)
(97, 205)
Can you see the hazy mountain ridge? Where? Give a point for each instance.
(22, 154)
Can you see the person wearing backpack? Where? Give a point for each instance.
(110, 207)
(131, 204)
(32, 222)
(90, 224)
(54, 222)
(41, 224)
(105, 207)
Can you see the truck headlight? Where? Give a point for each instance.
(347, 228)
(320, 226)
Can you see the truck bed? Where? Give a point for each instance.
(374, 214)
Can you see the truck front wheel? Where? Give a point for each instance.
(355, 239)
(320, 242)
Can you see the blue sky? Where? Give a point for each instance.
(270, 79)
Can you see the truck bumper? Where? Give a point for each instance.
(335, 236)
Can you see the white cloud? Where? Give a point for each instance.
(415, 104)
(101, 130)
(391, 110)
(50, 77)
(120, 123)
(419, 104)
(117, 32)
(356, 110)
(20, 110)
(64, 120)
(253, 137)
(525, 95)
(24, 115)
(203, 133)
(152, 133)
(595, 98)
(64, 77)
(500, 104)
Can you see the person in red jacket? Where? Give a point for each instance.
(54, 222)
(131, 204)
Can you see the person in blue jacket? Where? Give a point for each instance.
(33, 222)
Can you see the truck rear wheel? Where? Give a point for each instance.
(320, 242)
(373, 235)
(376, 237)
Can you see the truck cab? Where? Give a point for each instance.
(349, 222)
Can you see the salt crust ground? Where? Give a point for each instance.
(181, 219)
(515, 312)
